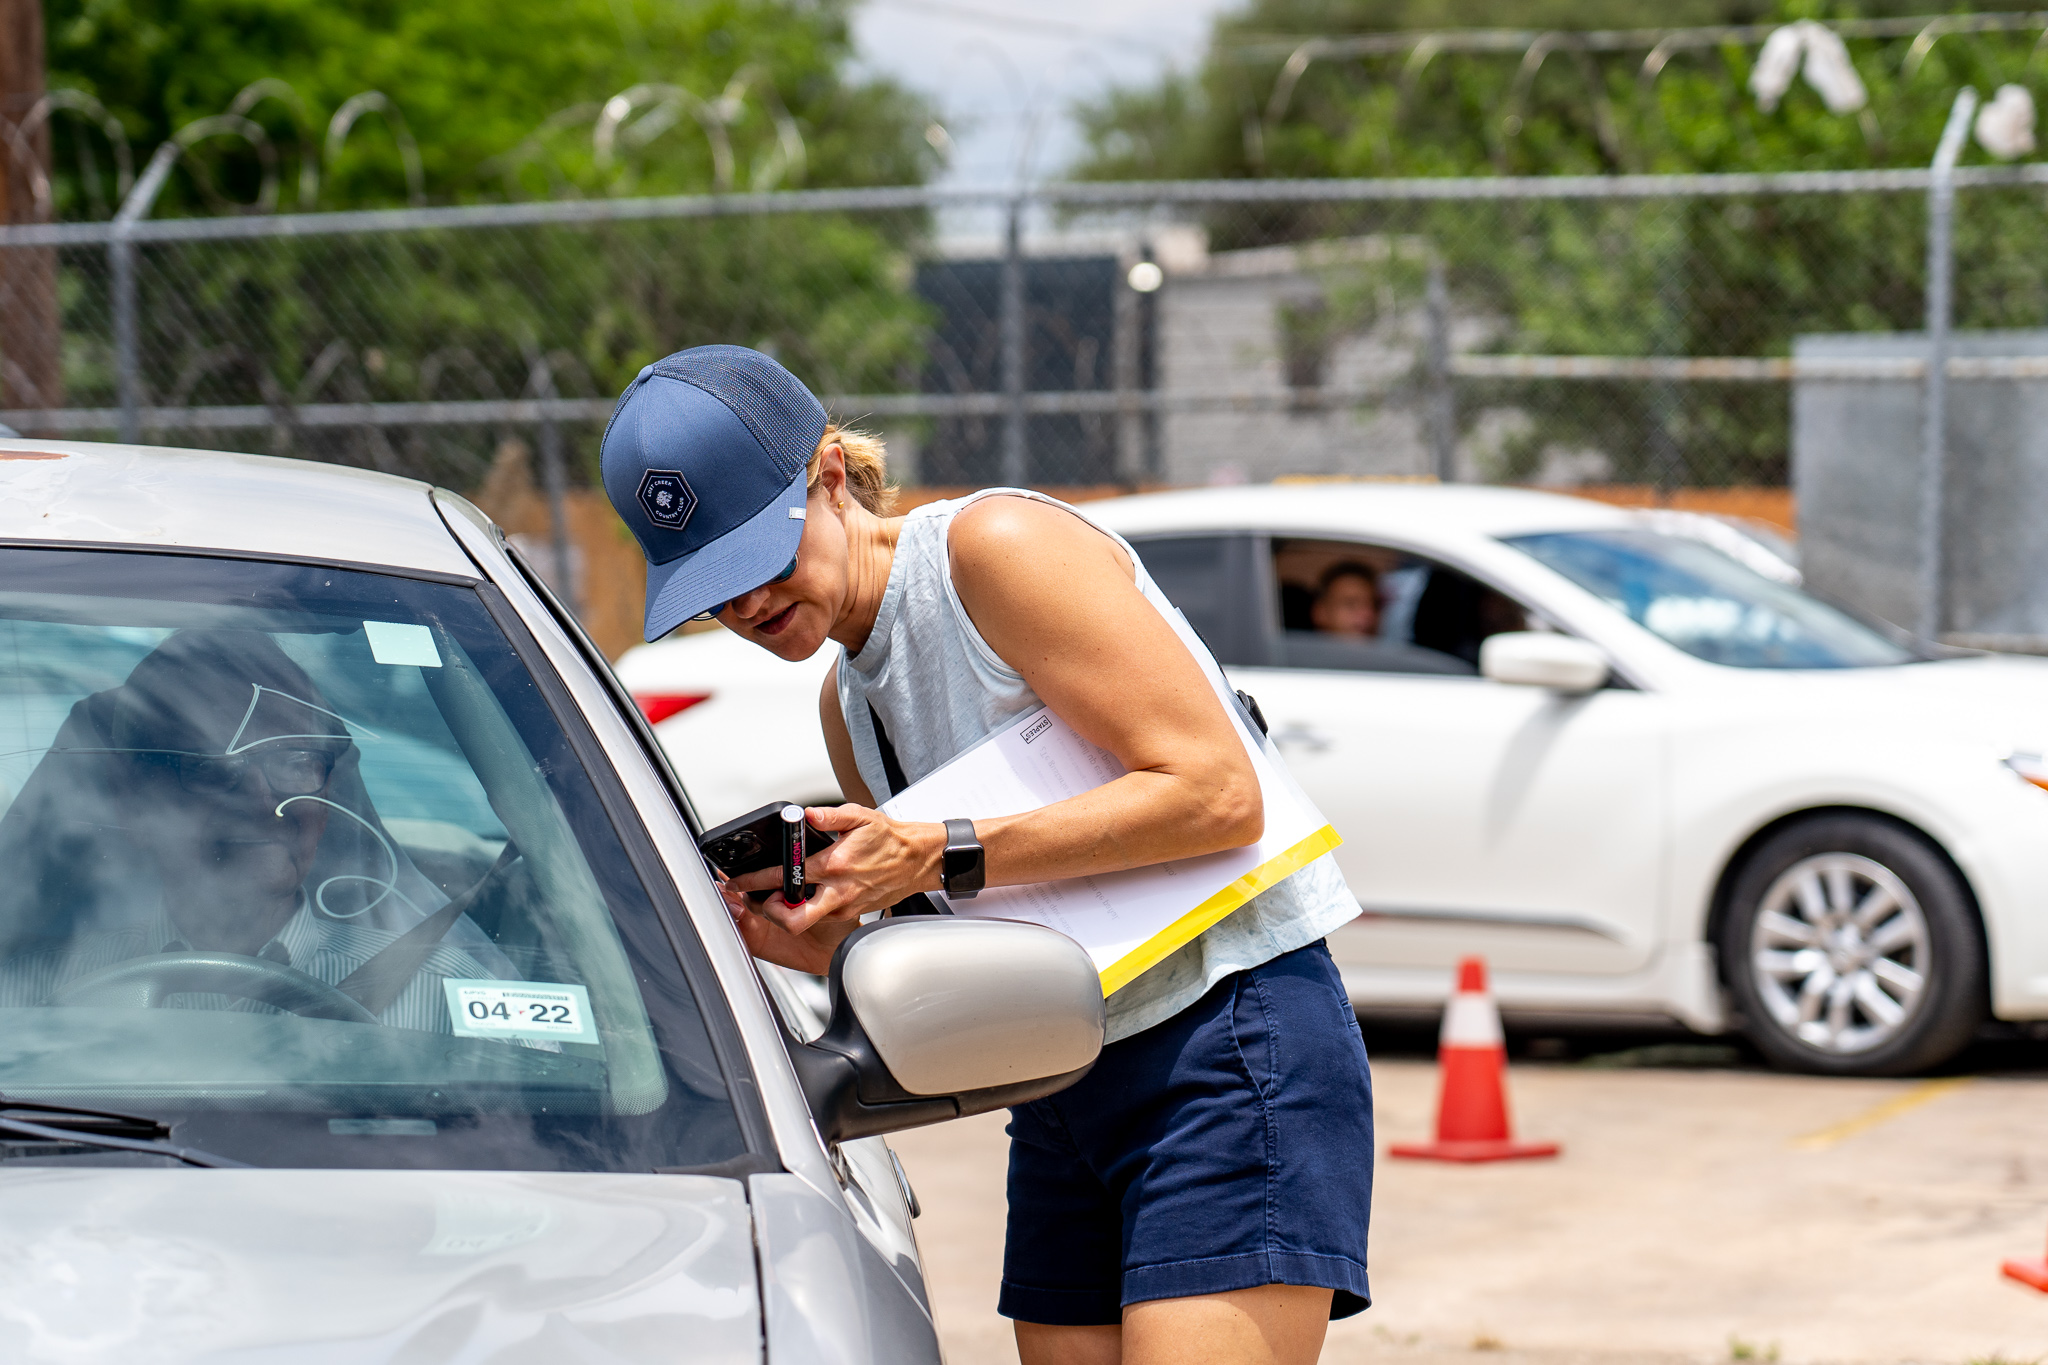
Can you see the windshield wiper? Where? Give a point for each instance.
(102, 1128)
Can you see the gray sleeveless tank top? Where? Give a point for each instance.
(939, 689)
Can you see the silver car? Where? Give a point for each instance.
(363, 995)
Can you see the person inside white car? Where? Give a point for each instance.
(211, 804)
(1340, 610)
(1347, 601)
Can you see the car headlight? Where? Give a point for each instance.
(2031, 768)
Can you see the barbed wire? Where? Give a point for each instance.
(1926, 30)
(1419, 49)
(628, 121)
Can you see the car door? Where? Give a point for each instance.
(1477, 817)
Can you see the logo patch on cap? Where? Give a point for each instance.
(666, 497)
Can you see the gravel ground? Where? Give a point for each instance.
(1703, 1210)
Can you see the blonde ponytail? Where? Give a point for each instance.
(867, 467)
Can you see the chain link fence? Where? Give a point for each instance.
(1612, 330)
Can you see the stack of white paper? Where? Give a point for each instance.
(1128, 921)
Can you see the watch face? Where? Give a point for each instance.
(960, 868)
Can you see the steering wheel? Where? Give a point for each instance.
(143, 982)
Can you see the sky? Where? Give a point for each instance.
(1005, 72)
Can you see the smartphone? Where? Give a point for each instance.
(762, 839)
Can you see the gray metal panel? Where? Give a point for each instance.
(1996, 558)
(1856, 462)
(877, 1197)
(827, 1296)
(518, 1268)
(197, 499)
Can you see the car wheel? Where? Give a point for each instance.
(1852, 948)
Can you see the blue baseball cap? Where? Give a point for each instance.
(704, 460)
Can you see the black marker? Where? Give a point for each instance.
(794, 891)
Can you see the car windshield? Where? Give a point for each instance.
(1713, 608)
(300, 860)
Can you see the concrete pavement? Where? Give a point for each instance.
(1696, 1215)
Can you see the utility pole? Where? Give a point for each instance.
(1941, 269)
(31, 349)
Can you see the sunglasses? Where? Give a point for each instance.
(289, 772)
(711, 613)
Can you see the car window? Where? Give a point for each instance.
(1707, 604)
(1375, 609)
(301, 859)
(1209, 578)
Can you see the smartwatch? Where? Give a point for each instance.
(963, 868)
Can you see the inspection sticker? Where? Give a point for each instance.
(521, 1009)
(397, 643)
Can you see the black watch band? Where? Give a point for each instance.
(963, 869)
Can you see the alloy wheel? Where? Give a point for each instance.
(1840, 951)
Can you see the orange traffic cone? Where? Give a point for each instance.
(2034, 1273)
(1472, 1110)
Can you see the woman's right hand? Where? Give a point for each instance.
(876, 861)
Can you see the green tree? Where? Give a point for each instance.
(502, 101)
(475, 80)
(1387, 114)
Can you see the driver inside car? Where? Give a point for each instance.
(211, 804)
(1347, 601)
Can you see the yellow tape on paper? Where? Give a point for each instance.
(1188, 927)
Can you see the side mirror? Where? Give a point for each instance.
(938, 1017)
(1531, 658)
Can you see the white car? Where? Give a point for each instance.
(1637, 772)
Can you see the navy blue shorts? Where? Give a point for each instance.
(1227, 1148)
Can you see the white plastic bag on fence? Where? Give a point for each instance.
(2005, 127)
(1827, 68)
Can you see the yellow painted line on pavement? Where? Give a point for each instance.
(1822, 1139)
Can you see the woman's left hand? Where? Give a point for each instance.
(877, 862)
(810, 951)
